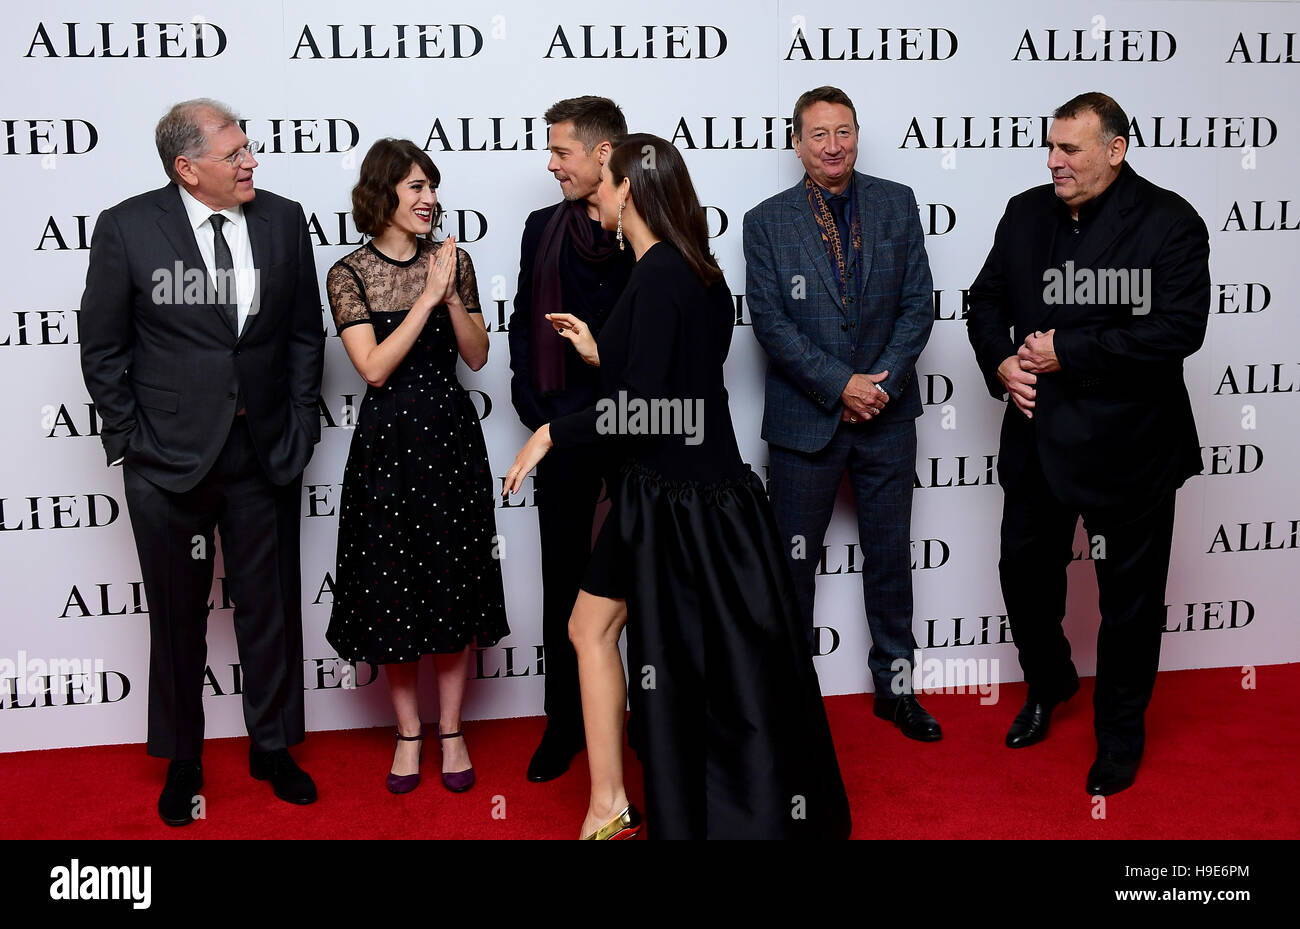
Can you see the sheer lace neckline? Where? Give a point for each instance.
(393, 261)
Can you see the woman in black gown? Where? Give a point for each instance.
(735, 742)
(417, 567)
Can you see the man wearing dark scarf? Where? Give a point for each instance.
(567, 264)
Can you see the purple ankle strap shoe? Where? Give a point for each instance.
(405, 783)
(456, 781)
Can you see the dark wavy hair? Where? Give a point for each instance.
(374, 198)
(665, 197)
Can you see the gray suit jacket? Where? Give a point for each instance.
(813, 338)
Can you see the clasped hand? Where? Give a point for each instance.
(863, 398)
(1019, 372)
(1038, 354)
(1020, 384)
(440, 280)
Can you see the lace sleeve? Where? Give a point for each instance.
(466, 282)
(346, 296)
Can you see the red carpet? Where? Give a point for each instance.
(1219, 765)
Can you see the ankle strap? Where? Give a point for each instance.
(410, 738)
(449, 735)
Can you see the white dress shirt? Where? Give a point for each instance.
(241, 250)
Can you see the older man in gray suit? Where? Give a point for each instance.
(839, 290)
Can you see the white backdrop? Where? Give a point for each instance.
(952, 99)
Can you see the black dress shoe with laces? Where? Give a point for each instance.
(290, 782)
(907, 714)
(1034, 718)
(1111, 773)
(553, 756)
(176, 803)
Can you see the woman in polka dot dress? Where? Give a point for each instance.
(417, 572)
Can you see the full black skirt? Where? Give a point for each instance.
(732, 729)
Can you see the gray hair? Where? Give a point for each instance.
(182, 130)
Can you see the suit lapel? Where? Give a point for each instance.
(867, 223)
(259, 237)
(1107, 226)
(1043, 242)
(174, 222)
(810, 238)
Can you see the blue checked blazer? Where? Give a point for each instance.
(814, 339)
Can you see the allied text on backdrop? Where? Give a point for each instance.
(954, 105)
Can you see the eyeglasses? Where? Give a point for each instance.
(249, 148)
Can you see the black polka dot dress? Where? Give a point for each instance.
(418, 570)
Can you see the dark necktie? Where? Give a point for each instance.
(225, 272)
(840, 210)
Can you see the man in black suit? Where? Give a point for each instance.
(1104, 279)
(567, 264)
(202, 347)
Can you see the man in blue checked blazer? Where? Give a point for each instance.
(840, 294)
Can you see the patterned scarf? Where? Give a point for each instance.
(831, 235)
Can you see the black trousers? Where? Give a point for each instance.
(567, 486)
(259, 539)
(1131, 554)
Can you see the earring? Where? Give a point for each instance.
(619, 234)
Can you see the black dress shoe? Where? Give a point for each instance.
(1111, 773)
(176, 803)
(907, 714)
(1031, 723)
(553, 756)
(290, 782)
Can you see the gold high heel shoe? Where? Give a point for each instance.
(623, 826)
